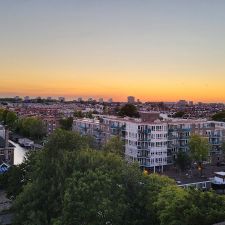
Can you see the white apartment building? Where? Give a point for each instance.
(90, 127)
(147, 144)
(152, 142)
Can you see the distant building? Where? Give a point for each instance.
(91, 127)
(26, 98)
(90, 99)
(131, 99)
(17, 98)
(79, 99)
(49, 98)
(182, 103)
(61, 99)
(101, 100)
(51, 123)
(191, 103)
(110, 100)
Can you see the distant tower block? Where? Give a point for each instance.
(110, 100)
(131, 99)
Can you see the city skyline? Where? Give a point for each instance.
(156, 51)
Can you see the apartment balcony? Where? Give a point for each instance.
(172, 145)
(172, 129)
(215, 143)
(145, 131)
(144, 139)
(123, 127)
(172, 137)
(185, 129)
(215, 136)
(142, 147)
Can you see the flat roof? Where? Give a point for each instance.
(220, 173)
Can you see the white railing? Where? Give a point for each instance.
(202, 184)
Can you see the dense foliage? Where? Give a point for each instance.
(31, 127)
(80, 114)
(8, 118)
(189, 207)
(66, 123)
(128, 110)
(115, 145)
(183, 160)
(179, 114)
(67, 183)
(199, 148)
(220, 116)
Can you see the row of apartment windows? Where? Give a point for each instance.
(158, 153)
(151, 161)
(148, 153)
(153, 128)
(153, 136)
(146, 144)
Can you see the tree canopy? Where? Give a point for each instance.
(183, 160)
(189, 207)
(179, 114)
(8, 118)
(66, 123)
(220, 116)
(128, 110)
(115, 145)
(199, 148)
(69, 183)
(31, 127)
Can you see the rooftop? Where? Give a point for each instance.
(220, 173)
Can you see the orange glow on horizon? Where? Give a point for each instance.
(117, 87)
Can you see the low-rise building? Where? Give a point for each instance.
(51, 123)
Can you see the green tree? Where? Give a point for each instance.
(177, 206)
(1, 115)
(31, 127)
(223, 148)
(37, 129)
(114, 145)
(11, 119)
(66, 123)
(183, 160)
(129, 110)
(70, 183)
(89, 115)
(17, 176)
(47, 179)
(179, 114)
(104, 204)
(169, 200)
(220, 116)
(12, 181)
(78, 114)
(199, 150)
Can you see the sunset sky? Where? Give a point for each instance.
(156, 50)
